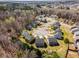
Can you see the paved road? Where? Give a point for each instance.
(43, 29)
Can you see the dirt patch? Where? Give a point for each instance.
(72, 54)
(71, 47)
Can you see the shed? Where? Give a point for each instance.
(27, 36)
(39, 42)
(58, 35)
(52, 41)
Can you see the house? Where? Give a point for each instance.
(77, 24)
(73, 27)
(58, 35)
(58, 30)
(40, 17)
(74, 30)
(38, 23)
(76, 41)
(28, 26)
(56, 24)
(77, 46)
(76, 33)
(44, 20)
(27, 36)
(34, 24)
(52, 41)
(39, 42)
(21, 45)
(54, 16)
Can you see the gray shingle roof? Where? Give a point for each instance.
(33, 24)
(39, 42)
(52, 41)
(28, 27)
(58, 35)
(27, 36)
(56, 24)
(58, 30)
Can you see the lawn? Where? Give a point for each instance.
(67, 34)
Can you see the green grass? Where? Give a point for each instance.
(53, 55)
(67, 34)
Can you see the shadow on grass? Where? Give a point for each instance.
(45, 46)
(73, 50)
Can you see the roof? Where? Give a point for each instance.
(54, 16)
(76, 37)
(52, 41)
(58, 30)
(56, 24)
(76, 33)
(33, 24)
(40, 17)
(27, 35)
(28, 26)
(58, 35)
(75, 30)
(78, 46)
(73, 27)
(39, 42)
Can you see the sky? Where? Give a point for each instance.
(33, 0)
(29, 0)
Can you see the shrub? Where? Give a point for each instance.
(54, 28)
(14, 39)
(66, 40)
(25, 46)
(55, 55)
